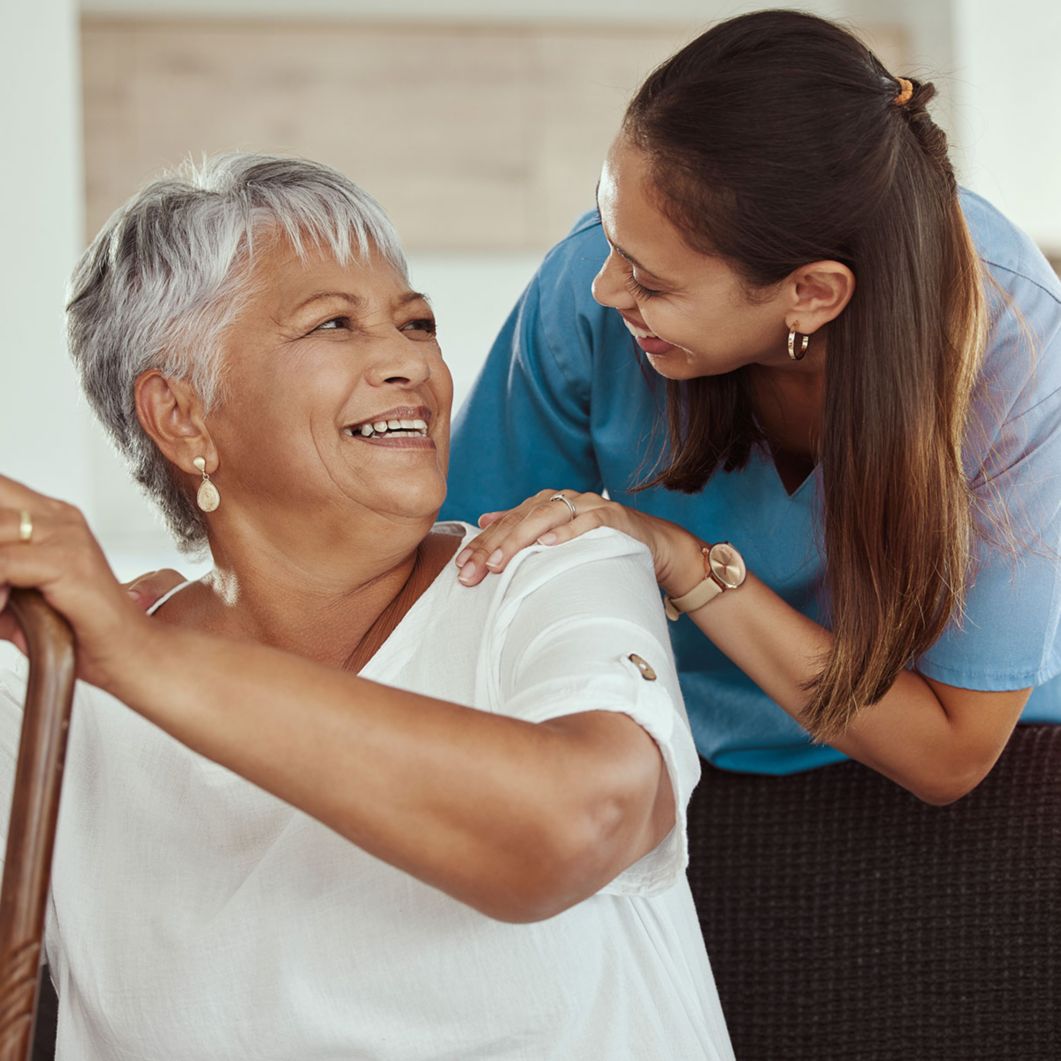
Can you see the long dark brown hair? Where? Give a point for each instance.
(776, 139)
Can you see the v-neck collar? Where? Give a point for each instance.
(764, 454)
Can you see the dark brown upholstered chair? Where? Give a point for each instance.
(847, 921)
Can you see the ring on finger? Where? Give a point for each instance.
(25, 526)
(567, 501)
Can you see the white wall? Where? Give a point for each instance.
(42, 420)
(1008, 101)
(494, 10)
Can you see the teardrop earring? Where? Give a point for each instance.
(208, 497)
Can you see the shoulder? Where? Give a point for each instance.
(567, 271)
(1022, 362)
(573, 324)
(593, 571)
(595, 554)
(600, 577)
(1009, 253)
(584, 248)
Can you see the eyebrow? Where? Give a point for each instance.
(619, 250)
(356, 301)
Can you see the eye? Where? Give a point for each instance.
(426, 325)
(333, 324)
(639, 290)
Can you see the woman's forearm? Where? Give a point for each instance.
(516, 819)
(935, 740)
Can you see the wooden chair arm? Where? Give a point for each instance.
(34, 816)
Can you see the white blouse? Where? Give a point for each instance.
(194, 917)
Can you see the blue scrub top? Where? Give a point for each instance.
(566, 399)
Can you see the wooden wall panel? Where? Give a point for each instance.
(474, 137)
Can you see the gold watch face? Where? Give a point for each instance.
(727, 565)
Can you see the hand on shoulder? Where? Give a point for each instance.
(552, 517)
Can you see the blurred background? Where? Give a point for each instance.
(479, 125)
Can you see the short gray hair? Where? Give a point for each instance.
(168, 273)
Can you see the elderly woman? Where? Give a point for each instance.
(325, 803)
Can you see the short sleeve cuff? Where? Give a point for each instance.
(622, 686)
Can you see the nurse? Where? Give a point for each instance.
(839, 431)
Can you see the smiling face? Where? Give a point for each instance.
(337, 400)
(690, 312)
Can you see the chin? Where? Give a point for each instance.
(682, 365)
(675, 366)
(421, 504)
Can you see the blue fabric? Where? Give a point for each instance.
(566, 400)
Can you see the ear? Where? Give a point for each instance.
(171, 413)
(819, 293)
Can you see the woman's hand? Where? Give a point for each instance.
(675, 552)
(64, 562)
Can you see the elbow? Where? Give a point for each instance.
(950, 782)
(940, 794)
(524, 909)
(565, 862)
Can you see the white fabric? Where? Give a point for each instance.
(196, 918)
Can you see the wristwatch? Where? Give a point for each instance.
(723, 569)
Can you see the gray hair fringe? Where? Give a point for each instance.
(169, 272)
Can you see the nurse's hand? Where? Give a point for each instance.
(46, 545)
(676, 553)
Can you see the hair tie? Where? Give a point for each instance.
(906, 91)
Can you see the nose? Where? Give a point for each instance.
(609, 288)
(399, 361)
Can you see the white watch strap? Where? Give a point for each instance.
(697, 597)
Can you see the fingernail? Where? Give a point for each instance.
(463, 556)
(495, 558)
(467, 573)
(547, 539)
(136, 595)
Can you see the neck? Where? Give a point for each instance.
(319, 602)
(789, 401)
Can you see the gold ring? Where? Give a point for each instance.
(25, 526)
(560, 497)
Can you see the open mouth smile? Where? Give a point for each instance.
(648, 341)
(403, 426)
(388, 429)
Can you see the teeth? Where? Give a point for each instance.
(390, 428)
(638, 333)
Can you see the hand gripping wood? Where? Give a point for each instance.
(34, 815)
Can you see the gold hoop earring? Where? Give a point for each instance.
(797, 355)
(208, 497)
